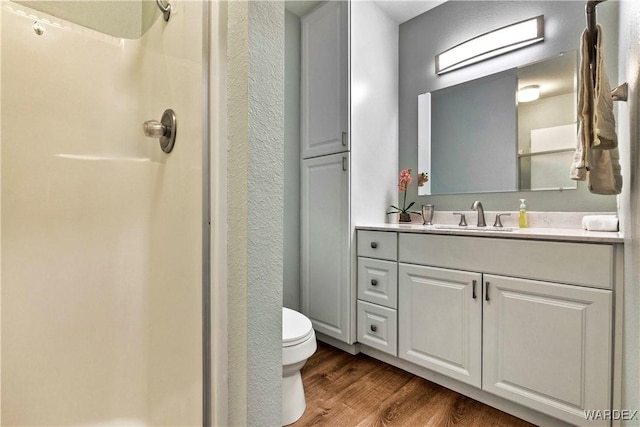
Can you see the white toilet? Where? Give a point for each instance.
(298, 344)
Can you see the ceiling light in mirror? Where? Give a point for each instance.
(529, 93)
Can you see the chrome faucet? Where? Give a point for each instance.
(477, 206)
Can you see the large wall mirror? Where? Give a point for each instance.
(486, 136)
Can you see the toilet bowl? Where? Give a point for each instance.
(298, 344)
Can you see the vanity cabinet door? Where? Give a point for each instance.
(548, 346)
(326, 290)
(440, 320)
(324, 74)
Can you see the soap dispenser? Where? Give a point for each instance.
(522, 219)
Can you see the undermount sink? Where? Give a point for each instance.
(471, 228)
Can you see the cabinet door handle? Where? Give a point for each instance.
(344, 139)
(373, 328)
(374, 282)
(486, 292)
(474, 289)
(344, 164)
(374, 245)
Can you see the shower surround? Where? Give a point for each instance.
(101, 230)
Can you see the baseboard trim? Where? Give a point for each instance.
(349, 348)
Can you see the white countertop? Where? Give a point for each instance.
(557, 234)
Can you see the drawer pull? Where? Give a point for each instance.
(374, 245)
(486, 292)
(374, 282)
(474, 289)
(373, 328)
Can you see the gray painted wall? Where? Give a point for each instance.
(291, 280)
(451, 23)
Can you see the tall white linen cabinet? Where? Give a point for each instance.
(349, 137)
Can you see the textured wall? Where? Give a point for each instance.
(629, 133)
(265, 243)
(237, 169)
(456, 21)
(1, 12)
(255, 201)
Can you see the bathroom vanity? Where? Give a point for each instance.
(527, 316)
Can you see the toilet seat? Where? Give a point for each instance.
(296, 328)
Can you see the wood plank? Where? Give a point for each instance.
(346, 390)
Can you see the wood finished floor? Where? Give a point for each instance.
(345, 390)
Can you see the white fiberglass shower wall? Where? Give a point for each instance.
(101, 231)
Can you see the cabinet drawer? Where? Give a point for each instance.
(378, 327)
(572, 263)
(378, 244)
(378, 281)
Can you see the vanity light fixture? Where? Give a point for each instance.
(493, 43)
(529, 93)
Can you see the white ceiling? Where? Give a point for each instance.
(300, 7)
(399, 10)
(403, 10)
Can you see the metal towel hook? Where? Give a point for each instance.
(166, 10)
(620, 93)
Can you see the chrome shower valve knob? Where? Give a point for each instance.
(165, 129)
(154, 129)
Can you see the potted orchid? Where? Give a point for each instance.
(404, 181)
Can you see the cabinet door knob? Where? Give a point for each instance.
(373, 328)
(374, 245)
(486, 292)
(474, 289)
(374, 282)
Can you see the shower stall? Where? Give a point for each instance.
(104, 271)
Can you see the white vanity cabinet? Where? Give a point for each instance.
(377, 290)
(545, 344)
(326, 294)
(529, 322)
(324, 80)
(348, 102)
